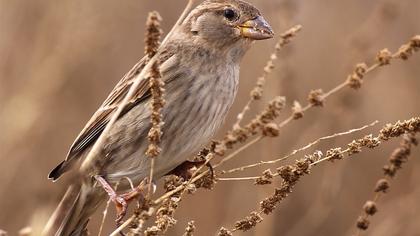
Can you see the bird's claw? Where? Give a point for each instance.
(121, 201)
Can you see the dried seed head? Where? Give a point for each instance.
(408, 49)
(405, 51)
(152, 231)
(292, 173)
(315, 97)
(334, 154)
(287, 173)
(273, 110)
(171, 182)
(249, 222)
(389, 170)
(190, 229)
(257, 91)
(399, 156)
(355, 80)
(415, 42)
(153, 33)
(224, 232)
(269, 204)
(156, 87)
(382, 186)
(369, 141)
(362, 223)
(384, 57)
(399, 128)
(297, 110)
(218, 147)
(271, 130)
(266, 178)
(361, 69)
(354, 147)
(316, 156)
(164, 217)
(370, 208)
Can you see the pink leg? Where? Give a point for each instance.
(121, 201)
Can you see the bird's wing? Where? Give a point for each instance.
(100, 119)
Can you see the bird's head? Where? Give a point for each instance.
(226, 24)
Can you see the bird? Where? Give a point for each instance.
(199, 65)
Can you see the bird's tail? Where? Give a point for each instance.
(72, 214)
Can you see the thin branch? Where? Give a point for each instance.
(257, 92)
(294, 152)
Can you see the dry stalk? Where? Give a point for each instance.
(153, 33)
(398, 157)
(104, 214)
(291, 174)
(92, 162)
(189, 230)
(296, 151)
(257, 91)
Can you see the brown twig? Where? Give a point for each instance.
(296, 151)
(257, 91)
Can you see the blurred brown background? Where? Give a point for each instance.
(60, 59)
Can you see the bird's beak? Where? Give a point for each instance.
(256, 29)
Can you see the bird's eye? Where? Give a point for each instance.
(229, 14)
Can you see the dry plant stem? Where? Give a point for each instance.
(257, 92)
(156, 84)
(296, 151)
(93, 161)
(104, 216)
(122, 226)
(398, 157)
(351, 150)
(291, 174)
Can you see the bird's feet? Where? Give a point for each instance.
(121, 200)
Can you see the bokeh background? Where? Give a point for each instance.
(60, 59)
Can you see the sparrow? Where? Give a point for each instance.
(199, 65)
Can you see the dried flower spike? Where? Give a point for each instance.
(153, 34)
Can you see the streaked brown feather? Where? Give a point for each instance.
(101, 117)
